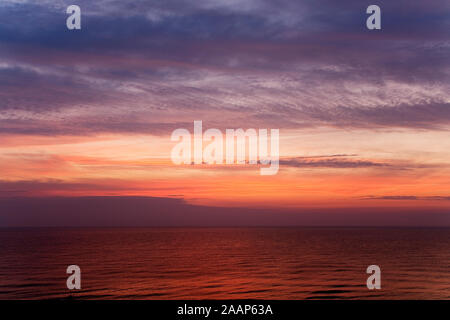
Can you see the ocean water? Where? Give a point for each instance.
(225, 263)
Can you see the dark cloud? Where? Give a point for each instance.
(331, 162)
(434, 198)
(344, 161)
(153, 211)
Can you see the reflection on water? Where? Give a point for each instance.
(225, 263)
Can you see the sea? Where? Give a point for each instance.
(225, 263)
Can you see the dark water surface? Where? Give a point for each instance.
(225, 263)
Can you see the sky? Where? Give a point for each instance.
(364, 115)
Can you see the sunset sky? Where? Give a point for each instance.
(364, 116)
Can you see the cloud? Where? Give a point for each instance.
(46, 187)
(154, 211)
(334, 161)
(150, 66)
(349, 161)
(433, 198)
(427, 116)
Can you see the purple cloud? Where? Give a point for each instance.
(150, 66)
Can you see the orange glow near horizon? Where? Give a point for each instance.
(387, 169)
